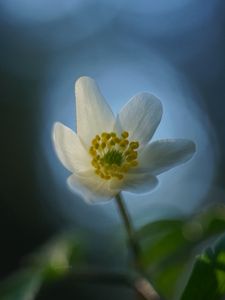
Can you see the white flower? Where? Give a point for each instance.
(109, 154)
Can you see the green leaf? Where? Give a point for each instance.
(164, 253)
(207, 280)
(168, 246)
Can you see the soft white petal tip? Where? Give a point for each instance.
(56, 125)
(83, 79)
(55, 128)
(152, 98)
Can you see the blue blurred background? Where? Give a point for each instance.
(173, 49)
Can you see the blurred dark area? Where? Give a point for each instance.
(40, 38)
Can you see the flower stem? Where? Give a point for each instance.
(129, 228)
(142, 285)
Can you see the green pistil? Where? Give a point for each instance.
(113, 157)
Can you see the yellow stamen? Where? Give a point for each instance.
(117, 140)
(113, 156)
(125, 134)
(124, 143)
(128, 152)
(134, 145)
(134, 163)
(103, 145)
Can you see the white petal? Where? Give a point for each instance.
(93, 113)
(140, 117)
(91, 187)
(69, 149)
(135, 183)
(162, 155)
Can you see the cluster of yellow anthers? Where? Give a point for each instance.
(112, 156)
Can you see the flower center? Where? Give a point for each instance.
(113, 156)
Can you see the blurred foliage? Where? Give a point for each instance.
(169, 246)
(207, 281)
(23, 285)
(49, 263)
